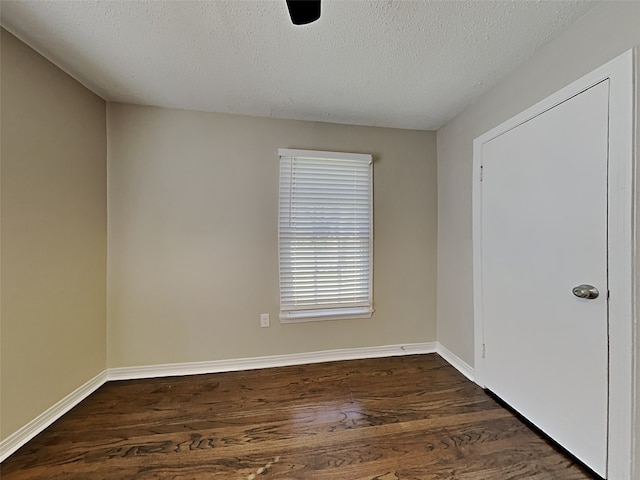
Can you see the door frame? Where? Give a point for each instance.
(620, 238)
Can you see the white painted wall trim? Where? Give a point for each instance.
(216, 366)
(621, 271)
(621, 226)
(16, 440)
(455, 361)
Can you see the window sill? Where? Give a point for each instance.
(323, 315)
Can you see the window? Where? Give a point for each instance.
(325, 235)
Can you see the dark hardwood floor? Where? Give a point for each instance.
(412, 417)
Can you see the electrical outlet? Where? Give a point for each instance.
(264, 319)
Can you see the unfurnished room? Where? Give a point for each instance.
(319, 239)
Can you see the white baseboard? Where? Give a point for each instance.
(37, 425)
(216, 366)
(455, 361)
(17, 439)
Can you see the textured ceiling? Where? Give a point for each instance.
(406, 64)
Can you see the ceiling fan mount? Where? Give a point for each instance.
(303, 12)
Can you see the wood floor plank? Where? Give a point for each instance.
(412, 417)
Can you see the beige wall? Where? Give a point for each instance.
(193, 257)
(607, 30)
(636, 459)
(53, 210)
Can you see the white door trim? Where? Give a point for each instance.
(619, 71)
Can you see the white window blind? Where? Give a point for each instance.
(325, 235)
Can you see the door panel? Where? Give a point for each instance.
(544, 231)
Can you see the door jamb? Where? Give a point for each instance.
(620, 239)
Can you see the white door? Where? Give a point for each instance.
(544, 232)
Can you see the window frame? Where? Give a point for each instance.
(322, 313)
